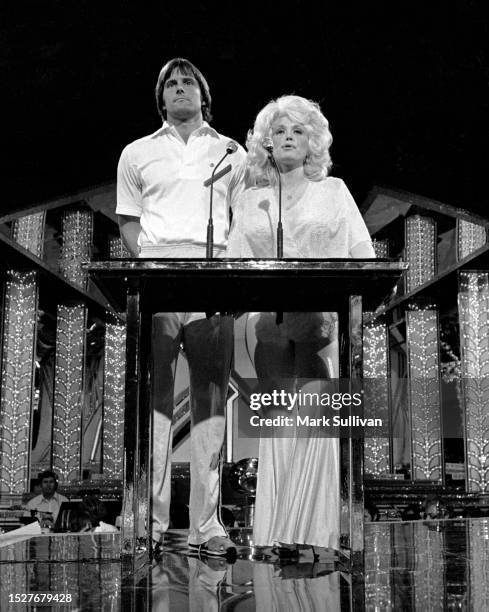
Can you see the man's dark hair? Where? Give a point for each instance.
(47, 474)
(94, 509)
(185, 67)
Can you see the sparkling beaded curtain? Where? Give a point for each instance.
(375, 368)
(473, 307)
(424, 392)
(17, 380)
(68, 401)
(114, 377)
(19, 341)
(420, 250)
(470, 237)
(77, 244)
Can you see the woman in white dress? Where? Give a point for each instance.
(297, 499)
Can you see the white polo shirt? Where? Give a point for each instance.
(160, 180)
(42, 504)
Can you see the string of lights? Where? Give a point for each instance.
(114, 379)
(420, 250)
(68, 400)
(28, 231)
(381, 247)
(17, 379)
(424, 392)
(13, 576)
(429, 592)
(77, 232)
(378, 540)
(479, 564)
(470, 237)
(473, 306)
(117, 249)
(376, 450)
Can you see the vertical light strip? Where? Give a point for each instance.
(479, 565)
(68, 390)
(420, 250)
(424, 393)
(470, 237)
(77, 234)
(381, 247)
(65, 575)
(473, 308)
(378, 554)
(77, 244)
(114, 379)
(117, 249)
(111, 585)
(28, 231)
(13, 579)
(19, 343)
(429, 573)
(375, 364)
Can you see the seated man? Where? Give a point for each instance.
(48, 501)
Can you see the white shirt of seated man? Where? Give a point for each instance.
(48, 500)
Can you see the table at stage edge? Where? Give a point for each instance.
(142, 287)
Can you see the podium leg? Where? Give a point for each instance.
(356, 375)
(135, 505)
(351, 449)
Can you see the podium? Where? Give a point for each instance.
(142, 287)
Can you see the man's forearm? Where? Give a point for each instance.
(130, 228)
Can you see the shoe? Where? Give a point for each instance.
(286, 552)
(218, 546)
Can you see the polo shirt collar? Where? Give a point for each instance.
(55, 497)
(205, 128)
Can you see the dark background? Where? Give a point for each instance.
(403, 84)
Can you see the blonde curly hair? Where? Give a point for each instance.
(299, 110)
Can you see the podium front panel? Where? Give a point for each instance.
(143, 287)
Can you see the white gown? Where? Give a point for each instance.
(297, 499)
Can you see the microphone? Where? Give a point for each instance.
(231, 148)
(208, 182)
(267, 144)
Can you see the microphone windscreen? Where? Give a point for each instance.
(267, 144)
(231, 147)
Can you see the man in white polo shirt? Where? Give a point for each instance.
(163, 210)
(48, 501)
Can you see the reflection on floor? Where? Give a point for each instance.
(431, 565)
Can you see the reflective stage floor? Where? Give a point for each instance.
(419, 565)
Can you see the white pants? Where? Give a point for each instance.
(208, 345)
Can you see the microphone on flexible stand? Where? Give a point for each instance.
(231, 147)
(268, 146)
